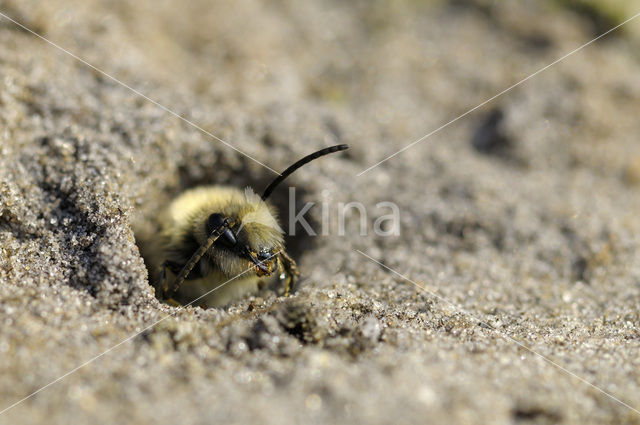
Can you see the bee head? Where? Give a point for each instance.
(253, 239)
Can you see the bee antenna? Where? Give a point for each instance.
(307, 159)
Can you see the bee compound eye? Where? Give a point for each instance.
(229, 237)
(214, 221)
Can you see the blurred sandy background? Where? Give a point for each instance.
(524, 214)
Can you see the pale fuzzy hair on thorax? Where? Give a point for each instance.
(191, 208)
(208, 199)
(259, 212)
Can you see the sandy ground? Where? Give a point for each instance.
(522, 216)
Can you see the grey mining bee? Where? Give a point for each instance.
(223, 238)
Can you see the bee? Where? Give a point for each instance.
(222, 241)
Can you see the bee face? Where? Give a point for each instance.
(246, 244)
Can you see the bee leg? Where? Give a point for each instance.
(291, 270)
(162, 287)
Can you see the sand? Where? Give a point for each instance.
(516, 285)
